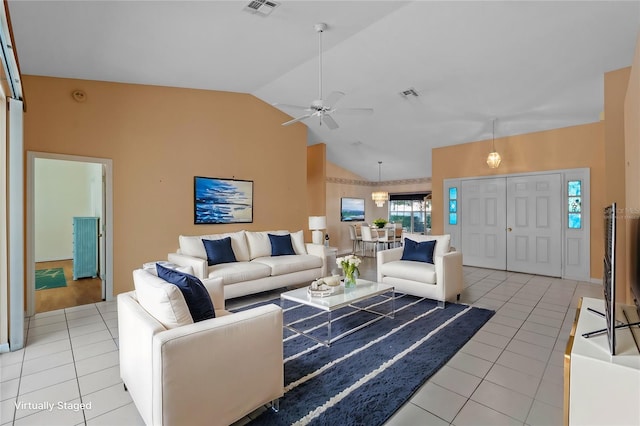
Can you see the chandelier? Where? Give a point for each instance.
(494, 159)
(379, 197)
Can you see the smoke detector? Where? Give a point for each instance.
(261, 7)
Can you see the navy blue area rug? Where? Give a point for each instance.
(365, 377)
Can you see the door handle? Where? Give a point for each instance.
(509, 229)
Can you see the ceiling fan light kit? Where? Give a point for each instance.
(494, 159)
(323, 108)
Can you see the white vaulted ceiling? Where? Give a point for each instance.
(531, 65)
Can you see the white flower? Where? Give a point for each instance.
(349, 259)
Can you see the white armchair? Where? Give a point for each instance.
(213, 372)
(440, 281)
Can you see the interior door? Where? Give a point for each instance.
(483, 220)
(534, 240)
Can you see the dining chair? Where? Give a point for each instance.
(392, 234)
(368, 238)
(355, 238)
(387, 236)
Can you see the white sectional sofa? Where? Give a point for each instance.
(255, 269)
(441, 280)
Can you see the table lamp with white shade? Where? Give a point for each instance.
(316, 225)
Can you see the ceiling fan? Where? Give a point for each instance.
(323, 108)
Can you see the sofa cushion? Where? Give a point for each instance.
(193, 246)
(163, 301)
(281, 245)
(236, 272)
(194, 292)
(281, 265)
(219, 251)
(418, 252)
(410, 270)
(442, 245)
(259, 243)
(297, 239)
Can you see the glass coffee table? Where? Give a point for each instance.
(342, 297)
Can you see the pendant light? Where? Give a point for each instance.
(494, 159)
(379, 197)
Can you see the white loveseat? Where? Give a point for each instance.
(212, 372)
(255, 269)
(440, 281)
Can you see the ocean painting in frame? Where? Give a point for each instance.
(351, 209)
(222, 200)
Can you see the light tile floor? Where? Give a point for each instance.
(510, 372)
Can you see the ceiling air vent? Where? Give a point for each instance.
(261, 7)
(409, 92)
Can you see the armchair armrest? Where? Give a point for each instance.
(136, 329)
(216, 291)
(385, 256)
(319, 250)
(240, 355)
(449, 274)
(199, 265)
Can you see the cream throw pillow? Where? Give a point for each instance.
(162, 300)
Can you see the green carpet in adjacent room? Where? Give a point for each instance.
(50, 278)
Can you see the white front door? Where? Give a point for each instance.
(534, 221)
(483, 220)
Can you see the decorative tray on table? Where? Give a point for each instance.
(319, 288)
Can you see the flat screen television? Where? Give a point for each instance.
(351, 209)
(609, 278)
(609, 274)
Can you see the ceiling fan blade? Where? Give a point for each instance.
(329, 121)
(295, 120)
(354, 111)
(333, 98)
(289, 106)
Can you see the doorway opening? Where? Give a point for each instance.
(62, 192)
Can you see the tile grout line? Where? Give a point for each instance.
(15, 407)
(75, 368)
(505, 348)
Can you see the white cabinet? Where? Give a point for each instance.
(601, 389)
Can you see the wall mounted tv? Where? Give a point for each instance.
(352, 209)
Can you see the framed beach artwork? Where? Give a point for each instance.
(351, 209)
(222, 200)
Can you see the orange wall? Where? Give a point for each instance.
(316, 182)
(632, 157)
(316, 179)
(615, 90)
(565, 148)
(159, 138)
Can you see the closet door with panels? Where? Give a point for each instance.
(483, 222)
(534, 224)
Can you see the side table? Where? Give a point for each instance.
(330, 256)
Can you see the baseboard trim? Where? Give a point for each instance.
(4, 348)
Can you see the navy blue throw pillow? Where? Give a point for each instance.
(281, 245)
(418, 252)
(219, 251)
(194, 292)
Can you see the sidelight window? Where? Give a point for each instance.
(574, 201)
(453, 205)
